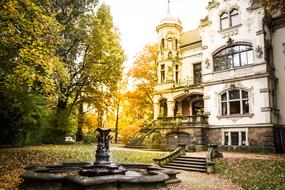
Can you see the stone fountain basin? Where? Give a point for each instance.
(67, 177)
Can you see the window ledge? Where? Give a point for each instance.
(237, 67)
(230, 28)
(235, 116)
(234, 146)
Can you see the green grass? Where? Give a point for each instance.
(250, 174)
(253, 174)
(14, 160)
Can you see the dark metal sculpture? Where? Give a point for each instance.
(103, 152)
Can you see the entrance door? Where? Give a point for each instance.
(163, 108)
(173, 139)
(185, 108)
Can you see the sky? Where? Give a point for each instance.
(137, 20)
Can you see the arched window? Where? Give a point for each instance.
(163, 108)
(162, 43)
(234, 102)
(169, 43)
(235, 20)
(224, 20)
(176, 73)
(162, 73)
(230, 19)
(233, 56)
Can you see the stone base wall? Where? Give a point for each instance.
(214, 136)
(279, 138)
(198, 137)
(260, 139)
(260, 136)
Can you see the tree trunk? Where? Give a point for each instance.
(117, 121)
(79, 133)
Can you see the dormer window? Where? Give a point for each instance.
(230, 19)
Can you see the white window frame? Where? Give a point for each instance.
(228, 100)
(239, 130)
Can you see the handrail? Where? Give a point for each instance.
(169, 157)
(212, 153)
(138, 139)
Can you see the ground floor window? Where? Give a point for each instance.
(235, 138)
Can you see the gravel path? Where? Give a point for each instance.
(202, 181)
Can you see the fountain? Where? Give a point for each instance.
(102, 174)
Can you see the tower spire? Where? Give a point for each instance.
(168, 7)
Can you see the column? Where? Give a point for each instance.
(156, 108)
(170, 108)
(179, 108)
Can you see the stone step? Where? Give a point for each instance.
(189, 162)
(186, 165)
(191, 159)
(185, 168)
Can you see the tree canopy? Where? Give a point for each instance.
(55, 56)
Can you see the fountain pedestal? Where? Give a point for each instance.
(103, 153)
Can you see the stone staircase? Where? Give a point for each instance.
(138, 141)
(188, 163)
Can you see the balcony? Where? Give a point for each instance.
(183, 121)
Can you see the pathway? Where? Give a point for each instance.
(204, 181)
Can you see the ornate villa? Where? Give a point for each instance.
(223, 82)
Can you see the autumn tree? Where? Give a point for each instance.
(27, 65)
(134, 107)
(272, 6)
(56, 56)
(144, 74)
(92, 58)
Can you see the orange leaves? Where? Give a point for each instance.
(135, 106)
(129, 132)
(144, 69)
(90, 123)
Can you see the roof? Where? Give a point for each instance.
(190, 37)
(169, 19)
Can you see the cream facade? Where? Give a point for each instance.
(223, 82)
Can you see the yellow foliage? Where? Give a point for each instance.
(129, 132)
(90, 123)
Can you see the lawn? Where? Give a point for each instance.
(252, 174)
(14, 160)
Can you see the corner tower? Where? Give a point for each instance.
(169, 30)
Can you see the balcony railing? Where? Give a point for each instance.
(183, 120)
